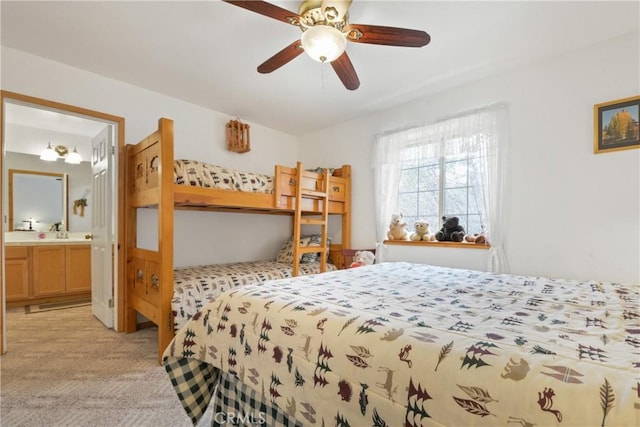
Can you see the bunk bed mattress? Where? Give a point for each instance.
(406, 344)
(195, 286)
(201, 174)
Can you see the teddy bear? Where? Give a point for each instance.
(451, 230)
(478, 238)
(397, 228)
(362, 258)
(422, 232)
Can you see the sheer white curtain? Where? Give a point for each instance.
(494, 151)
(483, 132)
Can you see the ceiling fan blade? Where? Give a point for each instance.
(286, 55)
(345, 71)
(267, 9)
(390, 36)
(335, 10)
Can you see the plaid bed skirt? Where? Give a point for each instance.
(194, 383)
(235, 403)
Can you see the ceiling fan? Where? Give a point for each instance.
(325, 31)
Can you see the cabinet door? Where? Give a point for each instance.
(48, 270)
(78, 268)
(16, 279)
(16, 272)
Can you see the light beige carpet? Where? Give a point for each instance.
(64, 368)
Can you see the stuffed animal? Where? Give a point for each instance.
(422, 232)
(362, 258)
(397, 228)
(477, 238)
(451, 230)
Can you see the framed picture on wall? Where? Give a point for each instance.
(616, 125)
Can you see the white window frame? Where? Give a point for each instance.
(489, 127)
(442, 161)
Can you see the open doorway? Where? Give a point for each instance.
(28, 126)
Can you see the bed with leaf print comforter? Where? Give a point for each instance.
(399, 344)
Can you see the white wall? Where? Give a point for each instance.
(199, 133)
(569, 213)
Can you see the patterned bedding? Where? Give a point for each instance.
(399, 344)
(195, 286)
(200, 174)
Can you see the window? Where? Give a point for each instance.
(453, 167)
(442, 181)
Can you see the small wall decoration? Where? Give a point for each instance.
(81, 203)
(78, 206)
(616, 125)
(238, 139)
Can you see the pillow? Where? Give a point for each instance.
(315, 240)
(321, 170)
(286, 252)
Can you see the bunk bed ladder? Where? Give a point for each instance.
(321, 196)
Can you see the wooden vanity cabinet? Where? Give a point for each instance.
(78, 267)
(47, 271)
(16, 273)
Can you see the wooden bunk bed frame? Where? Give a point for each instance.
(150, 184)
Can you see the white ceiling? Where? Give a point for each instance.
(29, 129)
(207, 52)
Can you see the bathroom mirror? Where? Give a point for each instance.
(37, 200)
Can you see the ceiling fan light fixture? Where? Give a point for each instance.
(335, 10)
(323, 43)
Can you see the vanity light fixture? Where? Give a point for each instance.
(74, 157)
(51, 154)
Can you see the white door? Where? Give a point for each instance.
(102, 226)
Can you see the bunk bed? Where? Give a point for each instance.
(194, 286)
(310, 197)
(402, 344)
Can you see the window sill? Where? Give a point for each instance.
(465, 245)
